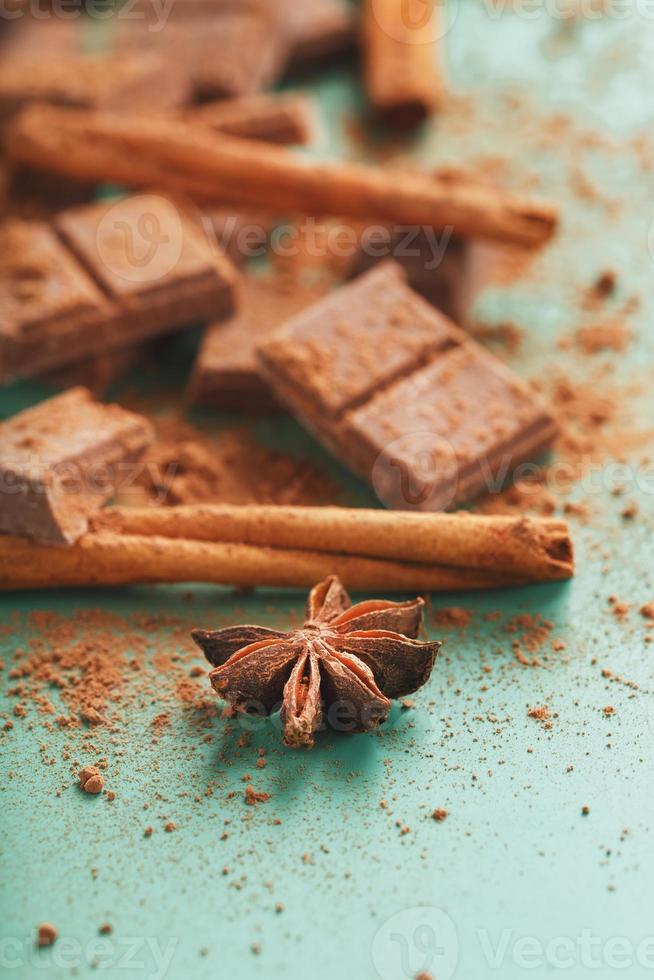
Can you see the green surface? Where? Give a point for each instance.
(516, 881)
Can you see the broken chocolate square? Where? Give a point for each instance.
(402, 396)
(61, 460)
(106, 276)
(47, 300)
(226, 374)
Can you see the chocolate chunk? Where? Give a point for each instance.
(100, 372)
(226, 374)
(106, 276)
(283, 118)
(317, 30)
(228, 50)
(251, 59)
(47, 300)
(52, 61)
(356, 341)
(61, 460)
(402, 396)
(479, 419)
(443, 271)
(257, 40)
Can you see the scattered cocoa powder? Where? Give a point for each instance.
(455, 616)
(159, 724)
(187, 466)
(439, 815)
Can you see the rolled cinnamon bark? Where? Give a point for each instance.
(105, 558)
(401, 70)
(97, 146)
(523, 548)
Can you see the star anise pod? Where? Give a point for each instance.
(347, 660)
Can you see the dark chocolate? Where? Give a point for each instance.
(106, 276)
(402, 396)
(226, 374)
(61, 460)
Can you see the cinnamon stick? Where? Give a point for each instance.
(524, 548)
(107, 558)
(137, 151)
(401, 71)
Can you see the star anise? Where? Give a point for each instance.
(346, 660)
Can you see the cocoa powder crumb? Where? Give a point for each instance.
(620, 609)
(252, 798)
(611, 335)
(170, 826)
(439, 815)
(631, 511)
(606, 283)
(90, 780)
(46, 934)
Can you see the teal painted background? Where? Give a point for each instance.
(516, 881)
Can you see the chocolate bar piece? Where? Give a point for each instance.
(251, 59)
(440, 270)
(402, 396)
(50, 61)
(231, 53)
(275, 118)
(48, 302)
(105, 276)
(99, 373)
(61, 460)
(226, 374)
(256, 40)
(317, 30)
